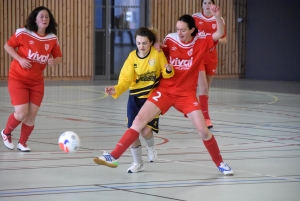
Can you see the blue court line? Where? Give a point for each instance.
(262, 125)
(178, 184)
(137, 186)
(63, 190)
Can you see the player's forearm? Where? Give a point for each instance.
(223, 40)
(57, 60)
(12, 52)
(220, 28)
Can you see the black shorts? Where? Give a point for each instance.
(133, 107)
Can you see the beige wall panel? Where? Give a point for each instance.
(75, 20)
(232, 55)
(75, 34)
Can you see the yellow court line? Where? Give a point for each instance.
(80, 101)
(275, 98)
(255, 106)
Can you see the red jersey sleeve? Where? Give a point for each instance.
(56, 51)
(209, 41)
(13, 42)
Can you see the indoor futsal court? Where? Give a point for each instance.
(256, 124)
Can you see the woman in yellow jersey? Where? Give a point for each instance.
(141, 73)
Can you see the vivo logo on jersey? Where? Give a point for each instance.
(181, 64)
(212, 49)
(37, 58)
(202, 33)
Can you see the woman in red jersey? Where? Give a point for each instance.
(32, 48)
(184, 51)
(206, 23)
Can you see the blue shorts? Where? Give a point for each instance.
(133, 107)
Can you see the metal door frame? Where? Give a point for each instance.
(144, 22)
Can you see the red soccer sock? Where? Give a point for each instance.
(11, 124)
(126, 140)
(25, 133)
(213, 149)
(204, 105)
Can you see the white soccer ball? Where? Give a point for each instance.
(69, 142)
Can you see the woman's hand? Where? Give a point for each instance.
(158, 46)
(54, 61)
(110, 90)
(169, 67)
(215, 10)
(51, 62)
(25, 63)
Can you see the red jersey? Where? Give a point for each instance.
(208, 26)
(35, 48)
(185, 58)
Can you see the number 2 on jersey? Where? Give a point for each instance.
(157, 97)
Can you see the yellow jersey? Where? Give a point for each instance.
(142, 75)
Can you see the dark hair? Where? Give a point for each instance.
(213, 1)
(190, 22)
(31, 24)
(144, 31)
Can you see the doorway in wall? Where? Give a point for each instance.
(115, 24)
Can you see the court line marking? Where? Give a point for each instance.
(234, 170)
(135, 185)
(83, 100)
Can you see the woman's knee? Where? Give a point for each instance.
(139, 119)
(32, 112)
(205, 134)
(29, 120)
(203, 90)
(20, 115)
(147, 133)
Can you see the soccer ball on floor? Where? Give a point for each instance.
(69, 142)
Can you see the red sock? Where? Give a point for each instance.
(204, 105)
(11, 124)
(126, 140)
(25, 133)
(213, 149)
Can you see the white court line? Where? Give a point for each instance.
(251, 115)
(234, 170)
(174, 161)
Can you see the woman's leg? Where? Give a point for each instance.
(13, 121)
(202, 83)
(203, 96)
(209, 79)
(27, 127)
(211, 144)
(136, 151)
(146, 114)
(138, 164)
(21, 111)
(209, 141)
(147, 134)
(136, 143)
(137, 154)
